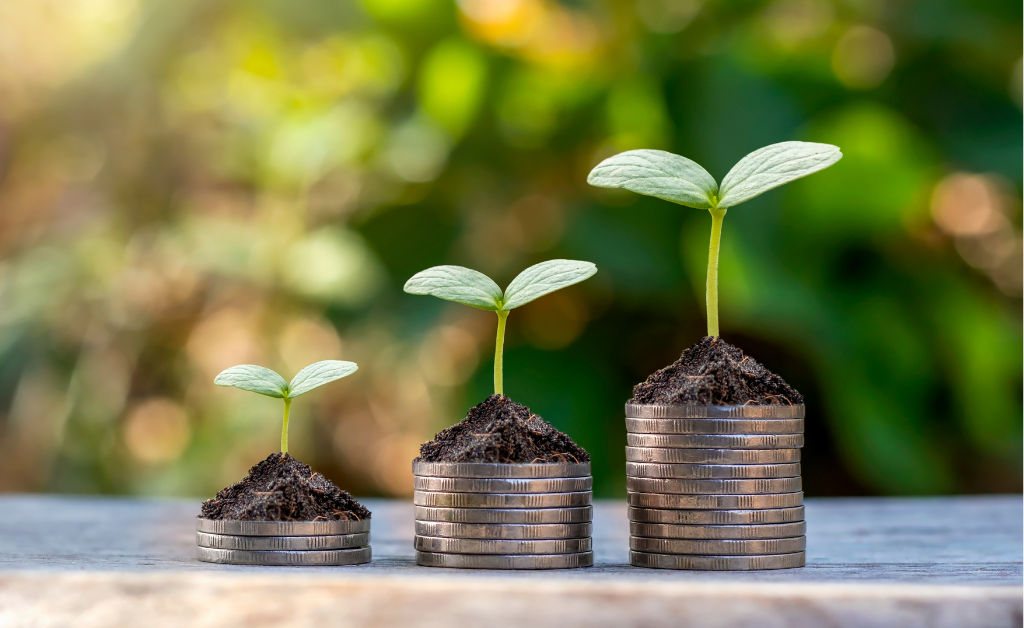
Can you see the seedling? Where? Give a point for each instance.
(266, 382)
(475, 289)
(680, 180)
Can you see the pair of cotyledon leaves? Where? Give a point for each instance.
(469, 287)
(266, 382)
(680, 180)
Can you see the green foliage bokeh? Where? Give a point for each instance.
(185, 186)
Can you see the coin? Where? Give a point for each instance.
(714, 502)
(281, 528)
(278, 543)
(497, 561)
(681, 411)
(715, 426)
(716, 517)
(713, 487)
(491, 546)
(718, 548)
(502, 530)
(498, 470)
(717, 441)
(717, 563)
(711, 471)
(582, 514)
(706, 532)
(711, 456)
(491, 485)
(356, 556)
(502, 500)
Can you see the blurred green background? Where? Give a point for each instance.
(187, 185)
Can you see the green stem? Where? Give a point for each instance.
(284, 427)
(717, 215)
(499, 345)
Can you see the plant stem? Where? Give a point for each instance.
(499, 345)
(717, 215)
(284, 427)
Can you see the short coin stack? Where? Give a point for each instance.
(288, 543)
(503, 516)
(715, 487)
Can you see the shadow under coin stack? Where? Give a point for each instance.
(715, 487)
(503, 516)
(288, 543)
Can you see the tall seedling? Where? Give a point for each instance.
(475, 289)
(262, 380)
(675, 178)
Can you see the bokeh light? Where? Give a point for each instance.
(185, 187)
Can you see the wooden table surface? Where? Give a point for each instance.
(938, 562)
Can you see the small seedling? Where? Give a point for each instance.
(469, 287)
(675, 178)
(266, 382)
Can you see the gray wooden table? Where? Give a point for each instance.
(936, 562)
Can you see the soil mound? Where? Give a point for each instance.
(714, 372)
(281, 488)
(501, 430)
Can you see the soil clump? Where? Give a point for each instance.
(281, 488)
(714, 372)
(501, 430)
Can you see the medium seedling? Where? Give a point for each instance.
(475, 289)
(266, 382)
(675, 178)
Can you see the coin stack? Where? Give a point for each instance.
(289, 543)
(715, 487)
(503, 516)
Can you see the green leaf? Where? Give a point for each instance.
(769, 167)
(253, 378)
(455, 283)
(545, 278)
(319, 374)
(659, 174)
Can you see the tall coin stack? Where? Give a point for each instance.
(289, 543)
(503, 516)
(715, 487)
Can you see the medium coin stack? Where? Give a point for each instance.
(715, 487)
(285, 543)
(503, 516)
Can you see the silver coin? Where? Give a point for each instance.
(356, 556)
(713, 487)
(497, 470)
(711, 471)
(494, 561)
(280, 543)
(281, 528)
(717, 563)
(717, 441)
(716, 517)
(712, 456)
(501, 485)
(502, 500)
(582, 514)
(502, 530)
(706, 532)
(681, 411)
(714, 502)
(718, 548)
(492, 546)
(715, 426)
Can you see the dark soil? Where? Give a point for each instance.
(281, 488)
(501, 430)
(713, 372)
